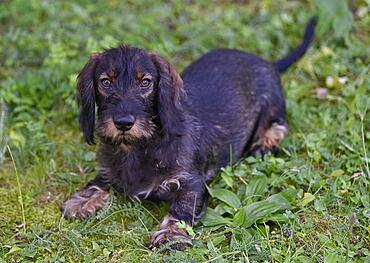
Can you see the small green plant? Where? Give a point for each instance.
(251, 206)
(185, 226)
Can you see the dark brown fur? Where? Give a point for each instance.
(165, 136)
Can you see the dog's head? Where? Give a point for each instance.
(136, 93)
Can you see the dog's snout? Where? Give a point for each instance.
(124, 122)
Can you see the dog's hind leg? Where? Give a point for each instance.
(87, 201)
(267, 139)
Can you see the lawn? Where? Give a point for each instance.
(311, 203)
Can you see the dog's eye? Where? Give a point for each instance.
(145, 83)
(105, 82)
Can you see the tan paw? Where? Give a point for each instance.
(169, 232)
(85, 202)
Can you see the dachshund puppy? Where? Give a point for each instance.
(164, 136)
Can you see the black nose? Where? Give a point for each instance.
(124, 122)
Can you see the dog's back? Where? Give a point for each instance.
(233, 95)
(237, 100)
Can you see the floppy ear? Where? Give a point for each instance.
(86, 98)
(169, 91)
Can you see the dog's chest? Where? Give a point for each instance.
(142, 177)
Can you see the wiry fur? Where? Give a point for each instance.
(227, 103)
(85, 202)
(170, 231)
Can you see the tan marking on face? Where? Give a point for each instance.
(140, 130)
(111, 75)
(106, 128)
(140, 76)
(85, 202)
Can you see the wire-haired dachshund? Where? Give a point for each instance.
(164, 136)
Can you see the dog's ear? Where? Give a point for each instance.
(86, 98)
(169, 91)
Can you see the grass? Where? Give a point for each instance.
(309, 204)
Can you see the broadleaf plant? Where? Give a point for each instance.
(242, 203)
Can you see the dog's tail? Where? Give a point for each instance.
(283, 64)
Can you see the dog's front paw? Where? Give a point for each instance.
(85, 202)
(170, 233)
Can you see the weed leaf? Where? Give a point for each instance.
(212, 218)
(307, 198)
(281, 200)
(239, 217)
(256, 186)
(261, 209)
(226, 196)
